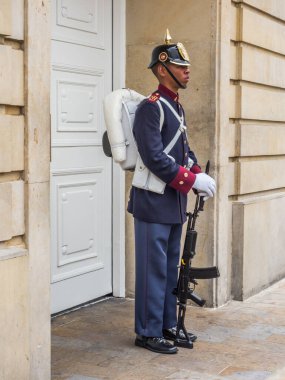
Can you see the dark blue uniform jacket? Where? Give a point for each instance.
(170, 207)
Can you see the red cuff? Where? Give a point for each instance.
(183, 181)
(196, 169)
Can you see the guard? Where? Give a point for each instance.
(159, 217)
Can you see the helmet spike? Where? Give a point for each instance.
(167, 37)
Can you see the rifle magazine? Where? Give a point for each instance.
(204, 273)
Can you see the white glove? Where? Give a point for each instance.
(205, 185)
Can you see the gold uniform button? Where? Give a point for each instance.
(181, 182)
(185, 141)
(186, 154)
(186, 175)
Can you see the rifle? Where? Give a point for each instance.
(188, 275)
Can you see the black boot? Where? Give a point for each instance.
(159, 345)
(170, 334)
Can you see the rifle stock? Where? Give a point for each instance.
(195, 298)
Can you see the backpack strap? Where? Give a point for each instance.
(161, 115)
(175, 138)
(181, 129)
(175, 113)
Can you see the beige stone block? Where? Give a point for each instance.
(262, 103)
(17, 10)
(258, 245)
(232, 178)
(256, 139)
(262, 66)
(223, 101)
(217, 227)
(38, 241)
(5, 211)
(200, 135)
(255, 27)
(202, 55)
(261, 139)
(12, 209)
(11, 143)
(17, 138)
(234, 64)
(11, 76)
(5, 17)
(37, 110)
(234, 95)
(200, 107)
(232, 140)
(147, 11)
(137, 59)
(249, 101)
(235, 21)
(14, 324)
(260, 175)
(272, 7)
(224, 11)
(5, 147)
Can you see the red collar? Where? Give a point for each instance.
(165, 91)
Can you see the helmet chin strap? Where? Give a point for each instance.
(173, 76)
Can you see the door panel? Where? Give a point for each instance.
(81, 22)
(81, 176)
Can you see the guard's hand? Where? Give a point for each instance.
(205, 184)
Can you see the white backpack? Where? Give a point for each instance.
(119, 110)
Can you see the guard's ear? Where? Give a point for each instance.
(161, 70)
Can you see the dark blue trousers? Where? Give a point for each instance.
(157, 256)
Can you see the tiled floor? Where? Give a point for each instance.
(239, 341)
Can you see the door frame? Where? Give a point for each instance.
(118, 176)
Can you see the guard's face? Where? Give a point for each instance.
(180, 72)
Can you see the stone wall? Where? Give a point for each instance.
(257, 144)
(14, 324)
(24, 190)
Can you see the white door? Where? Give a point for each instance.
(81, 176)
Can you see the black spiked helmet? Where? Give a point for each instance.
(173, 53)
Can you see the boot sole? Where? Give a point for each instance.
(168, 337)
(174, 339)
